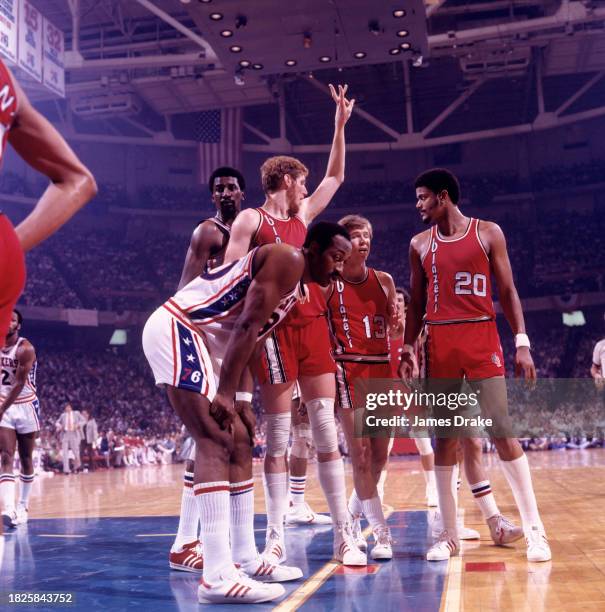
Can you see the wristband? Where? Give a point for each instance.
(243, 396)
(522, 340)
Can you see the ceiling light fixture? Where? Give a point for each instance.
(395, 51)
(226, 33)
(398, 13)
(325, 59)
(257, 66)
(402, 33)
(245, 63)
(235, 49)
(359, 55)
(290, 63)
(405, 46)
(216, 16)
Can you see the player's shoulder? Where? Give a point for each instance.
(490, 227)
(25, 347)
(419, 241)
(280, 255)
(384, 277)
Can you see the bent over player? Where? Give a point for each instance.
(197, 344)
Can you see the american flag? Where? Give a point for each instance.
(219, 133)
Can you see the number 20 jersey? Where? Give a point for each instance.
(458, 278)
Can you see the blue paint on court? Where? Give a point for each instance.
(113, 568)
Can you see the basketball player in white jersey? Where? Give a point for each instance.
(206, 251)
(19, 420)
(198, 344)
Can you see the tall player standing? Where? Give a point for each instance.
(206, 251)
(299, 350)
(72, 186)
(450, 282)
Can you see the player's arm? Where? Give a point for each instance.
(335, 173)
(393, 319)
(408, 367)
(26, 356)
(280, 269)
(44, 149)
(198, 253)
(242, 232)
(509, 298)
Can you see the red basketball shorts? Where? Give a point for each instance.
(291, 352)
(347, 372)
(12, 273)
(464, 350)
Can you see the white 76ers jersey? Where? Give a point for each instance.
(8, 371)
(214, 300)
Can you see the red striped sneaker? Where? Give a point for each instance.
(189, 559)
(275, 547)
(238, 589)
(263, 571)
(444, 548)
(503, 530)
(345, 547)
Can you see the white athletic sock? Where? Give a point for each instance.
(482, 492)
(381, 482)
(189, 517)
(7, 492)
(332, 480)
(429, 478)
(445, 480)
(27, 480)
(213, 504)
(372, 508)
(519, 479)
(276, 499)
(355, 507)
(297, 489)
(243, 546)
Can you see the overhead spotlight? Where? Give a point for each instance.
(395, 51)
(216, 16)
(307, 40)
(235, 49)
(238, 78)
(185, 1)
(405, 46)
(226, 33)
(290, 63)
(257, 66)
(374, 27)
(204, 1)
(325, 59)
(398, 13)
(359, 55)
(241, 21)
(245, 63)
(417, 60)
(402, 33)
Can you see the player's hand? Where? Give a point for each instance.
(246, 414)
(222, 411)
(344, 107)
(408, 366)
(394, 317)
(524, 365)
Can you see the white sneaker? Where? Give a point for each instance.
(302, 514)
(9, 519)
(503, 530)
(538, 549)
(383, 548)
(357, 534)
(275, 547)
(263, 571)
(444, 548)
(345, 548)
(432, 500)
(238, 589)
(464, 533)
(22, 515)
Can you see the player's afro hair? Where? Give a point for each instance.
(323, 233)
(227, 171)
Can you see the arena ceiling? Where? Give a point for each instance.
(422, 72)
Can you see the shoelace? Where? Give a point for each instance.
(383, 537)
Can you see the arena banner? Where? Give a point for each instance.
(53, 63)
(8, 29)
(30, 40)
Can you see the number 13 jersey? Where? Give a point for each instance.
(458, 278)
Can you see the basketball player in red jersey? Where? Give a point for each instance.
(451, 268)
(206, 251)
(72, 186)
(363, 314)
(299, 350)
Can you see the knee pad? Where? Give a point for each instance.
(301, 440)
(323, 424)
(278, 434)
(424, 445)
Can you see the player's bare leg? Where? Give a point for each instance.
(502, 529)
(318, 393)
(25, 446)
(299, 512)
(494, 404)
(8, 445)
(214, 449)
